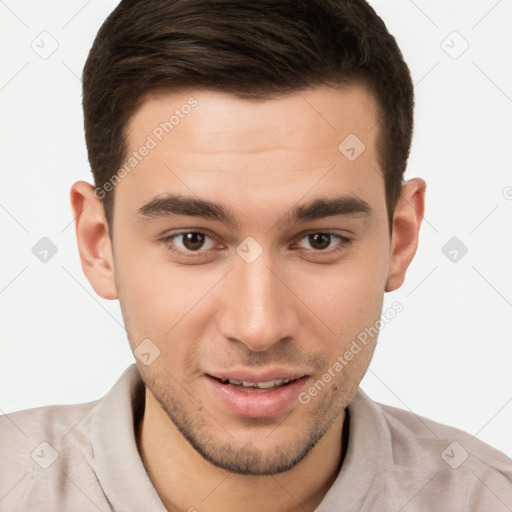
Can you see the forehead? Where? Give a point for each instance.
(299, 118)
(256, 153)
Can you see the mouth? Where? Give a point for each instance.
(256, 396)
(268, 385)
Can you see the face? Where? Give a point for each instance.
(269, 282)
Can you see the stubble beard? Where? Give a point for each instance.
(197, 426)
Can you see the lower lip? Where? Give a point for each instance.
(257, 403)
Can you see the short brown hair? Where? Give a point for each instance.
(252, 49)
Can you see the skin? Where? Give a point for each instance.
(292, 307)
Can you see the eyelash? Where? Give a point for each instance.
(344, 241)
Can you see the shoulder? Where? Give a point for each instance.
(50, 456)
(436, 465)
(36, 442)
(23, 431)
(440, 442)
(51, 420)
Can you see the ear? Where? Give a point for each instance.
(93, 241)
(407, 219)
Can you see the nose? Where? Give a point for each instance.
(258, 308)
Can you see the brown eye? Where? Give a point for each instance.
(189, 243)
(193, 241)
(324, 242)
(319, 241)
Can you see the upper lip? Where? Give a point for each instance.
(261, 376)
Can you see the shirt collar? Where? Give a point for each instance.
(119, 467)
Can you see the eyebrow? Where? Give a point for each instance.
(172, 204)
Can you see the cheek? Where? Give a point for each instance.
(162, 302)
(151, 294)
(347, 297)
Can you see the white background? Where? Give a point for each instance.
(447, 355)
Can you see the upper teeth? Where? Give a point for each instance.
(261, 385)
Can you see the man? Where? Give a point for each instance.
(249, 212)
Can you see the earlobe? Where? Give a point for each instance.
(93, 241)
(407, 220)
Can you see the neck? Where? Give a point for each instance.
(185, 481)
